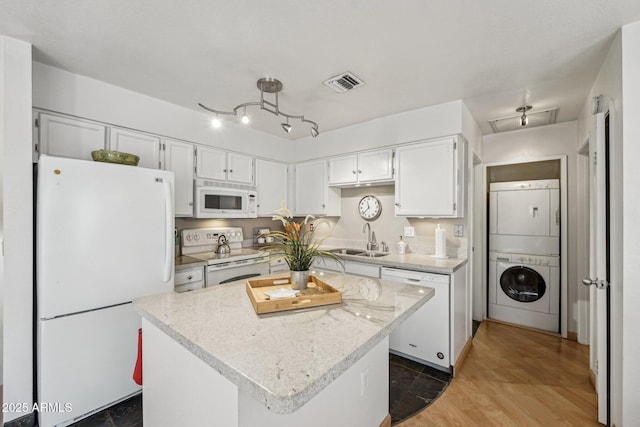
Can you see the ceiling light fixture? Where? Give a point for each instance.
(524, 120)
(268, 85)
(215, 122)
(286, 126)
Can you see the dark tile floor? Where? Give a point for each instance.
(412, 387)
(127, 413)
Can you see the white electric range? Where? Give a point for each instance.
(236, 263)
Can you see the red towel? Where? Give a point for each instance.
(137, 371)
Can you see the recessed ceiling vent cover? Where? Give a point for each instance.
(344, 82)
(536, 118)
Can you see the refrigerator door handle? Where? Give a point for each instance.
(168, 231)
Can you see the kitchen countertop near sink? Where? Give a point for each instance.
(409, 261)
(186, 262)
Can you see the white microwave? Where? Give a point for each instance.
(220, 200)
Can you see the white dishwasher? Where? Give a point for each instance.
(424, 336)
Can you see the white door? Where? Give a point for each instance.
(147, 147)
(240, 168)
(178, 158)
(68, 137)
(271, 186)
(343, 170)
(375, 165)
(598, 351)
(310, 188)
(211, 164)
(104, 234)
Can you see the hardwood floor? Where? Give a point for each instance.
(516, 377)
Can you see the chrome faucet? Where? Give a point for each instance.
(371, 237)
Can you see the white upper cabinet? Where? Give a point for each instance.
(430, 179)
(211, 163)
(312, 193)
(271, 186)
(367, 167)
(239, 168)
(222, 166)
(68, 137)
(179, 158)
(146, 146)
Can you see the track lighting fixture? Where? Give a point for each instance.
(524, 120)
(286, 126)
(268, 85)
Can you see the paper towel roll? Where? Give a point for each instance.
(441, 242)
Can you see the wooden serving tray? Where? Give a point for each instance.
(317, 293)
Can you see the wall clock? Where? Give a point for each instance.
(369, 207)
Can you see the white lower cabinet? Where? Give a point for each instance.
(327, 264)
(362, 269)
(189, 280)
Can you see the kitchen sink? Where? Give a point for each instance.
(357, 252)
(372, 254)
(343, 251)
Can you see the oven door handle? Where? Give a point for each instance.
(241, 277)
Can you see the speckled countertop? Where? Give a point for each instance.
(186, 262)
(418, 262)
(283, 359)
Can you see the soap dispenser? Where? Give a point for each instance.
(401, 246)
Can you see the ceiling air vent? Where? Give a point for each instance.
(344, 82)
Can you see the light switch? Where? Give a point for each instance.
(409, 232)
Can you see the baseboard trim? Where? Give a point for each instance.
(462, 357)
(541, 331)
(386, 422)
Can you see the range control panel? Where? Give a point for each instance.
(210, 236)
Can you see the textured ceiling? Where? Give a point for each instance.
(495, 55)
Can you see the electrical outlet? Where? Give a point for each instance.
(409, 232)
(364, 381)
(458, 230)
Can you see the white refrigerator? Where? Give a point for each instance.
(104, 237)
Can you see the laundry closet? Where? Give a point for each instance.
(524, 215)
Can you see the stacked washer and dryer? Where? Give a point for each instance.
(524, 253)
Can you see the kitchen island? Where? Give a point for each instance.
(209, 359)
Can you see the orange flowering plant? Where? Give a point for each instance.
(297, 243)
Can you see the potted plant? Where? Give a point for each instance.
(297, 245)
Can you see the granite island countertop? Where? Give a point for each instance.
(283, 359)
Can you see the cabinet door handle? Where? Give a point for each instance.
(190, 203)
(224, 170)
(397, 204)
(189, 277)
(359, 171)
(354, 172)
(230, 170)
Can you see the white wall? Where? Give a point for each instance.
(61, 91)
(631, 226)
(609, 84)
(17, 283)
(533, 144)
(424, 123)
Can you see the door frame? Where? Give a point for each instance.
(564, 293)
